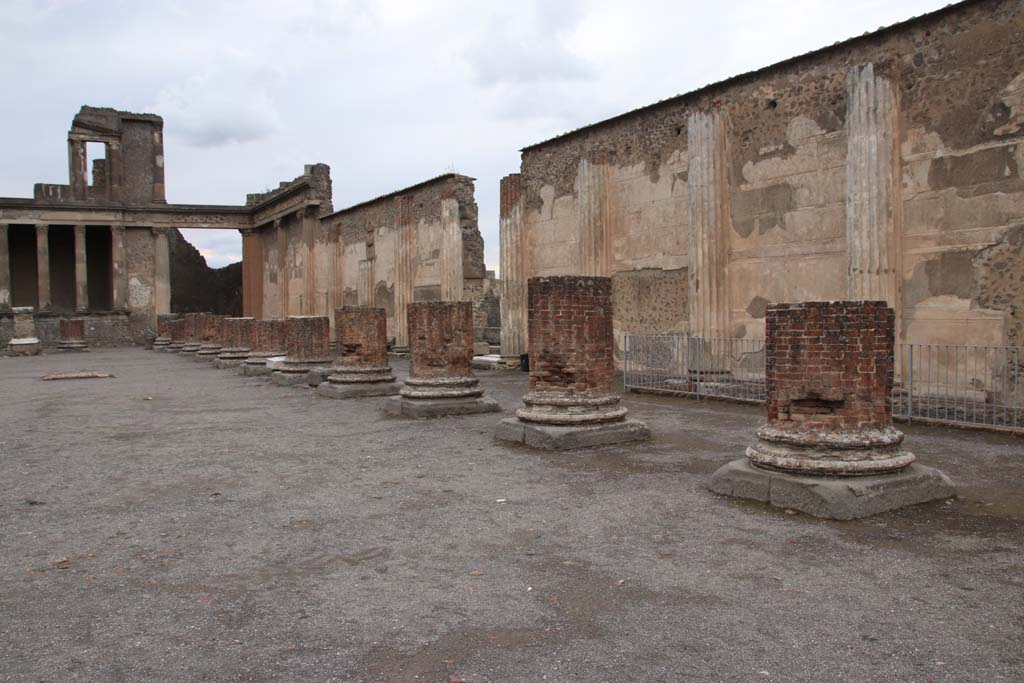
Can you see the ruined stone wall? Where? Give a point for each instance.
(889, 166)
(195, 286)
(391, 250)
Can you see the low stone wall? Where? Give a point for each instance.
(109, 330)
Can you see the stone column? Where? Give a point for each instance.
(829, 447)
(441, 381)
(310, 299)
(283, 269)
(78, 169)
(593, 193)
(177, 332)
(307, 349)
(708, 249)
(362, 368)
(364, 287)
(571, 403)
(161, 272)
(119, 268)
(405, 269)
(5, 270)
(72, 335)
(451, 250)
(513, 268)
(81, 272)
(252, 273)
(267, 341)
(235, 343)
(873, 204)
(43, 267)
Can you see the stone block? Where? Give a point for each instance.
(442, 407)
(256, 370)
(24, 346)
(290, 379)
(331, 390)
(561, 438)
(840, 498)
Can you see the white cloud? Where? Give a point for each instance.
(388, 93)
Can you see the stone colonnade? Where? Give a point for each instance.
(118, 268)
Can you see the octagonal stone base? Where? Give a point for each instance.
(439, 407)
(570, 437)
(833, 497)
(356, 390)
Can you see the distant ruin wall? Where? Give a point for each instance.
(890, 166)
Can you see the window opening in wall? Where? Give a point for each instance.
(21, 245)
(99, 279)
(96, 160)
(62, 268)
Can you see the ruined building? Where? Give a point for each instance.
(887, 167)
(100, 249)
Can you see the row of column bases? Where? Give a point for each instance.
(829, 447)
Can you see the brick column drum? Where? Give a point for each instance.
(571, 403)
(441, 381)
(362, 367)
(211, 335)
(176, 330)
(829, 375)
(163, 334)
(307, 348)
(236, 343)
(194, 334)
(72, 335)
(266, 341)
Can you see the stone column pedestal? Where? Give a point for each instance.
(362, 367)
(163, 331)
(267, 342)
(441, 380)
(212, 334)
(571, 403)
(192, 331)
(236, 343)
(307, 350)
(72, 335)
(24, 342)
(829, 447)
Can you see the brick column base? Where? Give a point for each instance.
(829, 447)
(72, 335)
(307, 350)
(571, 403)
(266, 339)
(362, 369)
(441, 380)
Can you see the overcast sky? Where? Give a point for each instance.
(388, 93)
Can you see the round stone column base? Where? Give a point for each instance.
(441, 388)
(567, 409)
(360, 375)
(839, 454)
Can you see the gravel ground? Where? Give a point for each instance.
(180, 523)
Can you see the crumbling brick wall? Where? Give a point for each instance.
(829, 365)
(362, 336)
(440, 339)
(570, 325)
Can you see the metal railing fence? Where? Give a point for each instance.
(947, 383)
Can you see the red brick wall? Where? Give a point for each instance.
(362, 336)
(210, 328)
(307, 337)
(570, 325)
(441, 339)
(162, 322)
(830, 364)
(511, 190)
